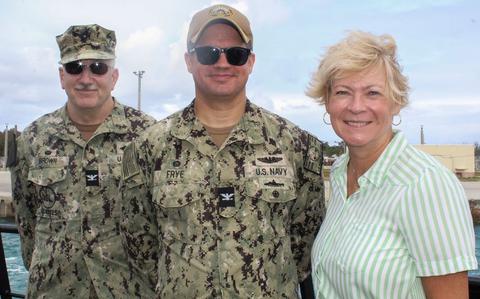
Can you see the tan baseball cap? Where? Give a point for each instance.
(219, 12)
(86, 42)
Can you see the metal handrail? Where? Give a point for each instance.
(8, 228)
(5, 291)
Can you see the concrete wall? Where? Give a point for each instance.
(6, 207)
(459, 158)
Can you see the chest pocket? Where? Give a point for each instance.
(269, 207)
(48, 170)
(182, 214)
(47, 176)
(49, 187)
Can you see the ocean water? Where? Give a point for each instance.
(477, 251)
(18, 275)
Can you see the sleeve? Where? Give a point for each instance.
(139, 225)
(309, 208)
(437, 224)
(23, 201)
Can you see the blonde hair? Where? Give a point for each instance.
(357, 52)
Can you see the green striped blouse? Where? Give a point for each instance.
(409, 218)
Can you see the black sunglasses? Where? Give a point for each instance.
(210, 55)
(77, 67)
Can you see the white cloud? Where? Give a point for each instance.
(293, 104)
(405, 6)
(269, 12)
(171, 108)
(150, 37)
(448, 102)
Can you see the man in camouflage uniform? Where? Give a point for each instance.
(224, 198)
(67, 174)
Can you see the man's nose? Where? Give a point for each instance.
(222, 60)
(85, 75)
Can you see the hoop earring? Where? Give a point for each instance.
(399, 120)
(324, 120)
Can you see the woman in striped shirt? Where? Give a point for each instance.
(398, 223)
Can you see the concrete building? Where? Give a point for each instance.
(459, 158)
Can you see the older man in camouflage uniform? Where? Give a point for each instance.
(224, 198)
(67, 175)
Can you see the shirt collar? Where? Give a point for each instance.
(378, 171)
(60, 124)
(250, 127)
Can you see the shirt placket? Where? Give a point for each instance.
(90, 196)
(339, 224)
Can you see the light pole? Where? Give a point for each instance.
(422, 137)
(139, 74)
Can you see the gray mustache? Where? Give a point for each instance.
(85, 87)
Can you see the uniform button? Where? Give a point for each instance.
(275, 194)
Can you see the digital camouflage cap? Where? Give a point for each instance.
(86, 42)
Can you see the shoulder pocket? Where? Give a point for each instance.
(313, 159)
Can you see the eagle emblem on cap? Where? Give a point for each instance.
(221, 11)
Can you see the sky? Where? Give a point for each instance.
(438, 47)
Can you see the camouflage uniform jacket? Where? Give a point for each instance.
(231, 222)
(68, 218)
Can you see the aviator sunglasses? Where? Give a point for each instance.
(77, 67)
(208, 55)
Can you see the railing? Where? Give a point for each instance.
(474, 286)
(5, 292)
